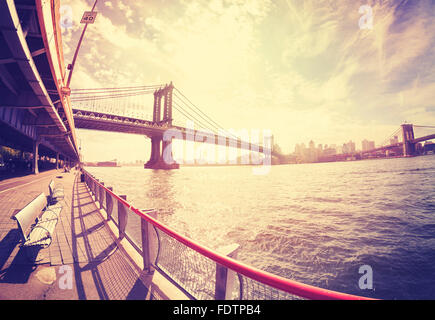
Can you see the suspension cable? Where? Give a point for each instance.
(216, 125)
(110, 96)
(190, 116)
(120, 88)
(93, 94)
(180, 101)
(390, 136)
(176, 89)
(415, 125)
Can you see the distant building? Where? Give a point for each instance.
(394, 140)
(298, 150)
(319, 151)
(311, 145)
(367, 145)
(304, 154)
(349, 147)
(312, 152)
(329, 151)
(428, 147)
(112, 163)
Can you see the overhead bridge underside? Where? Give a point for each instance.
(32, 110)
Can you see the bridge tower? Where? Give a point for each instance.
(158, 146)
(158, 94)
(408, 137)
(167, 112)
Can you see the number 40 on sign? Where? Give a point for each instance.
(88, 17)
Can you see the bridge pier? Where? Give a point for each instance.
(161, 155)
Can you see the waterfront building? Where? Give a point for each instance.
(349, 147)
(329, 151)
(367, 145)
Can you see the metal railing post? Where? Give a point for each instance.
(109, 203)
(148, 242)
(224, 276)
(96, 190)
(122, 217)
(101, 195)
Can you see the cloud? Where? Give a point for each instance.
(301, 68)
(126, 10)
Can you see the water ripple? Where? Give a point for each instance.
(313, 223)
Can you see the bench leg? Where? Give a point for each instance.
(54, 201)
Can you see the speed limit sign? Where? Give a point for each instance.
(88, 17)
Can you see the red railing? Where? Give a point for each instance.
(280, 283)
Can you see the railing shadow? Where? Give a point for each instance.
(78, 196)
(111, 275)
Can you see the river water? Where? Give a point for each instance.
(314, 223)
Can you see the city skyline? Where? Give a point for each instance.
(303, 69)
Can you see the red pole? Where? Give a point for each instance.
(77, 49)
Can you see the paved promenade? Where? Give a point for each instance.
(83, 247)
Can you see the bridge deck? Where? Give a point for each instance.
(82, 240)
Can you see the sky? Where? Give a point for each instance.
(306, 70)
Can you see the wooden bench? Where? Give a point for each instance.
(37, 221)
(56, 192)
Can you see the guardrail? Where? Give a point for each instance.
(200, 272)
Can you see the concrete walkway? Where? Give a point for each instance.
(82, 262)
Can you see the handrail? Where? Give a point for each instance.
(278, 282)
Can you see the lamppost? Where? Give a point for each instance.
(88, 17)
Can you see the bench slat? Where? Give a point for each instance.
(56, 191)
(48, 215)
(54, 208)
(26, 217)
(41, 233)
(37, 231)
